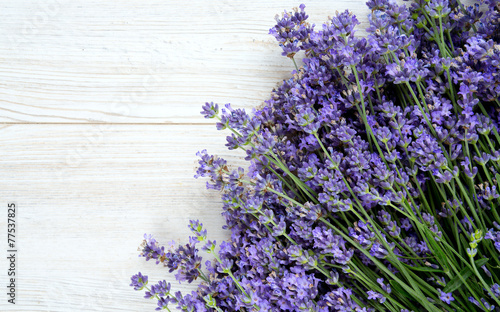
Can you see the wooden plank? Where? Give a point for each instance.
(140, 61)
(78, 231)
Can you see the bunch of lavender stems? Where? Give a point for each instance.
(373, 172)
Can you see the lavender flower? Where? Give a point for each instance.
(370, 170)
(139, 281)
(446, 297)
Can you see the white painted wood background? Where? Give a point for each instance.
(99, 114)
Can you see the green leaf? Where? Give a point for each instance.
(441, 257)
(400, 290)
(423, 269)
(456, 282)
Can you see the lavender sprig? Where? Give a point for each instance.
(373, 172)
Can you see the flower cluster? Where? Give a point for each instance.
(373, 172)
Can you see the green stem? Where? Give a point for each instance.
(294, 63)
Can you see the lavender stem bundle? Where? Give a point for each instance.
(372, 177)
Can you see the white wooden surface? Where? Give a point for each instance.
(99, 126)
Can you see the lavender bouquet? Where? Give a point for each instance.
(372, 177)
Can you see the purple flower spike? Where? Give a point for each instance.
(139, 281)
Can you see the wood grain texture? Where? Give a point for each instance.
(140, 61)
(99, 126)
(81, 218)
